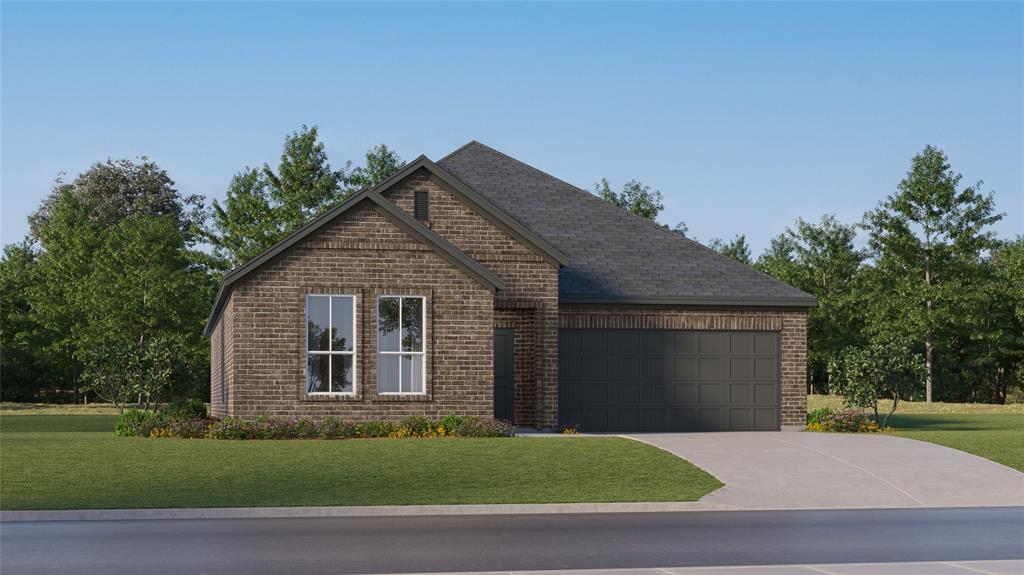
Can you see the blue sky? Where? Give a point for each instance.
(745, 116)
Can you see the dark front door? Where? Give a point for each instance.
(504, 382)
(648, 380)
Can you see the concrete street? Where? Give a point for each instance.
(511, 542)
(778, 470)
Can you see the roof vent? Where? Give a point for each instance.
(421, 206)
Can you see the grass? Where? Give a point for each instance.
(12, 408)
(905, 407)
(75, 462)
(994, 432)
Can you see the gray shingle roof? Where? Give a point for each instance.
(614, 256)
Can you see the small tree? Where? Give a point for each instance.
(863, 375)
(123, 373)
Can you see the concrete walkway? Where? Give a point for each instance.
(925, 568)
(785, 470)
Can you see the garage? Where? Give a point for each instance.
(668, 380)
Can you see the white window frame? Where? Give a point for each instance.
(422, 353)
(330, 343)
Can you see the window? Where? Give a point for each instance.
(421, 206)
(401, 368)
(330, 344)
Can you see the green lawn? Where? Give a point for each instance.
(991, 431)
(75, 462)
(999, 437)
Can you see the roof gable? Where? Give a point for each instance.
(614, 257)
(390, 211)
(481, 205)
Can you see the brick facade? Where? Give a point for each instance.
(258, 343)
(528, 304)
(363, 254)
(791, 325)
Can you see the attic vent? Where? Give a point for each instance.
(421, 206)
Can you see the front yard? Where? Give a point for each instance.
(994, 432)
(75, 462)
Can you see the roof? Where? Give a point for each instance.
(388, 210)
(614, 257)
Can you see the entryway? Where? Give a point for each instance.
(504, 375)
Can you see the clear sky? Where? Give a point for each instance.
(745, 116)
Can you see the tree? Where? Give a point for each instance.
(263, 205)
(381, 163)
(25, 369)
(988, 349)
(635, 197)
(109, 271)
(864, 374)
(736, 249)
(923, 239)
(110, 191)
(821, 259)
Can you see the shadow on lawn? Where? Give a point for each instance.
(957, 422)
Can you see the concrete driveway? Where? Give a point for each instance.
(786, 470)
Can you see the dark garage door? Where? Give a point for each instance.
(637, 380)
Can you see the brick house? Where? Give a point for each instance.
(479, 285)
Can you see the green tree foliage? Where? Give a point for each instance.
(635, 197)
(381, 163)
(864, 374)
(821, 259)
(113, 271)
(736, 248)
(926, 241)
(24, 371)
(265, 205)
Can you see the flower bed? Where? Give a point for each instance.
(189, 426)
(827, 420)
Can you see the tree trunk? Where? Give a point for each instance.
(928, 351)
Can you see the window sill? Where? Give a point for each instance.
(402, 398)
(328, 397)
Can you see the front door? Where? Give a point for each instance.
(504, 382)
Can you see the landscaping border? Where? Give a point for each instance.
(354, 511)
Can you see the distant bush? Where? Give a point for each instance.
(174, 424)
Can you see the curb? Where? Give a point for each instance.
(355, 511)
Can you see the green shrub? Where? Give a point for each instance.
(134, 421)
(417, 426)
(376, 429)
(845, 422)
(819, 415)
(332, 428)
(450, 424)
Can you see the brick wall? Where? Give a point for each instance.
(364, 254)
(221, 362)
(790, 324)
(528, 304)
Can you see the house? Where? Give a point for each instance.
(479, 285)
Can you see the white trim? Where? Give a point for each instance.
(422, 353)
(330, 353)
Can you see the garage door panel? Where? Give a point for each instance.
(740, 394)
(741, 343)
(766, 418)
(709, 367)
(765, 394)
(661, 380)
(741, 368)
(709, 394)
(741, 419)
(766, 368)
(766, 344)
